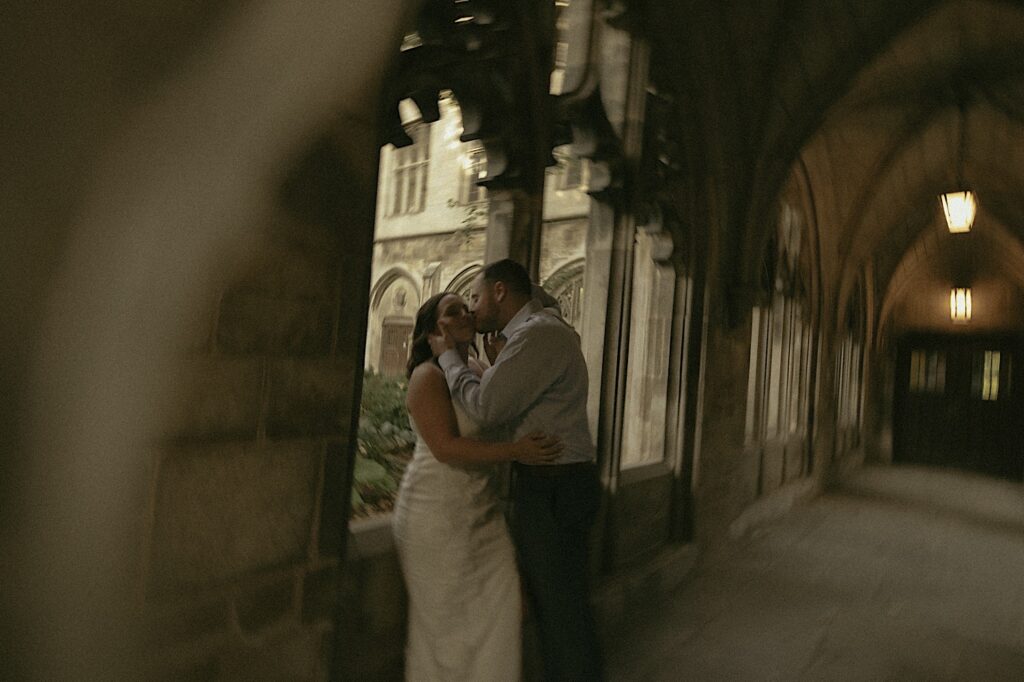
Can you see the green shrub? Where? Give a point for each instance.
(385, 444)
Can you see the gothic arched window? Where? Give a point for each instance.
(779, 383)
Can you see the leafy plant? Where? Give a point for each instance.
(385, 444)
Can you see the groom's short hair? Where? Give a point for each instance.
(514, 275)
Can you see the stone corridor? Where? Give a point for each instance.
(904, 574)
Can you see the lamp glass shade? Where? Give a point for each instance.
(959, 209)
(960, 305)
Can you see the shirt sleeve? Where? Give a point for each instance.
(528, 364)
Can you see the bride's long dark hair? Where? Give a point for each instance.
(426, 322)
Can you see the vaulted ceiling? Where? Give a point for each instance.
(889, 146)
(863, 97)
(868, 100)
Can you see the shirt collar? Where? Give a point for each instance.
(531, 307)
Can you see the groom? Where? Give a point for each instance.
(539, 383)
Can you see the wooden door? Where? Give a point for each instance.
(395, 338)
(957, 402)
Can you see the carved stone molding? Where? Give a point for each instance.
(495, 58)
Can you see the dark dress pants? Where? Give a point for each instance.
(551, 518)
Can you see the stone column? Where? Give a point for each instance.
(514, 222)
(516, 206)
(610, 247)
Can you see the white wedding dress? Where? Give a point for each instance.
(460, 572)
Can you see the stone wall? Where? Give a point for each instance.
(372, 603)
(245, 528)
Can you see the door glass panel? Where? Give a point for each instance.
(985, 375)
(927, 371)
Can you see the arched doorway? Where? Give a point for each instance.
(392, 313)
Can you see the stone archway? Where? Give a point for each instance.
(393, 304)
(566, 285)
(460, 284)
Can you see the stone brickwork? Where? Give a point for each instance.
(226, 508)
(726, 474)
(373, 600)
(240, 564)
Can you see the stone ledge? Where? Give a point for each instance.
(369, 538)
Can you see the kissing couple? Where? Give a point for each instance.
(465, 567)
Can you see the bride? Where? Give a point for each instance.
(456, 555)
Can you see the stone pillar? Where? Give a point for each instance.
(597, 283)
(514, 225)
(879, 399)
(515, 213)
(609, 255)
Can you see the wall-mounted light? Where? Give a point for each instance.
(959, 209)
(960, 305)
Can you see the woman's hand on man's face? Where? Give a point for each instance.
(439, 343)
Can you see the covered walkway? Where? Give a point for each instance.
(220, 220)
(905, 574)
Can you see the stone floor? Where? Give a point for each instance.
(904, 574)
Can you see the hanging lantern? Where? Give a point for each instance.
(959, 209)
(960, 305)
(960, 206)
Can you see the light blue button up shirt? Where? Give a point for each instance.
(538, 383)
